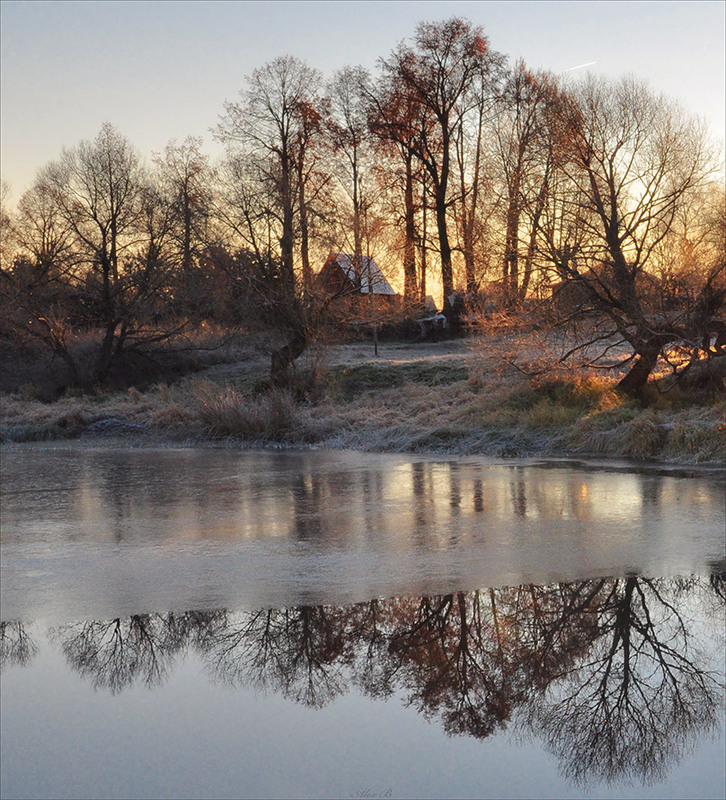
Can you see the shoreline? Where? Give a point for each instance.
(580, 460)
(456, 398)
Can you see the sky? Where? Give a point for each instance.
(162, 70)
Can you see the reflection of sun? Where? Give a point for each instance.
(612, 496)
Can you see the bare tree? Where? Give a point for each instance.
(6, 233)
(438, 75)
(629, 162)
(184, 178)
(525, 153)
(347, 93)
(96, 188)
(93, 254)
(468, 142)
(274, 130)
(396, 117)
(37, 279)
(272, 125)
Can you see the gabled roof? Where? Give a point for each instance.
(370, 273)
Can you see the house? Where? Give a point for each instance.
(340, 273)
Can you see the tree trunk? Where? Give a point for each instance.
(639, 373)
(307, 273)
(187, 243)
(287, 237)
(447, 274)
(409, 252)
(357, 235)
(511, 251)
(424, 234)
(532, 246)
(469, 208)
(440, 190)
(284, 358)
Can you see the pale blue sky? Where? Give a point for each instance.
(162, 70)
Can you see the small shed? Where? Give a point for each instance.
(361, 275)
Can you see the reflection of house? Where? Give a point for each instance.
(341, 273)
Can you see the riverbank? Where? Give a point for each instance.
(500, 396)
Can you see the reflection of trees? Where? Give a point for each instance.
(17, 648)
(369, 626)
(717, 578)
(642, 693)
(471, 658)
(298, 651)
(614, 674)
(116, 653)
(451, 665)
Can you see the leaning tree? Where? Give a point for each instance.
(628, 162)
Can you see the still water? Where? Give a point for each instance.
(214, 623)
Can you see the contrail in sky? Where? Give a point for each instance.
(580, 66)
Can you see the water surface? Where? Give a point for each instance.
(204, 623)
(89, 533)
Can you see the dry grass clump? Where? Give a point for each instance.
(228, 412)
(687, 436)
(639, 438)
(274, 416)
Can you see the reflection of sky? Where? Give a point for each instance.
(191, 736)
(193, 739)
(334, 500)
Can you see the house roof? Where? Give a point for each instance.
(370, 274)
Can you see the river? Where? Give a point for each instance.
(218, 623)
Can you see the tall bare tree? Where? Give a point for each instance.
(524, 152)
(438, 74)
(347, 93)
(184, 178)
(396, 118)
(272, 124)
